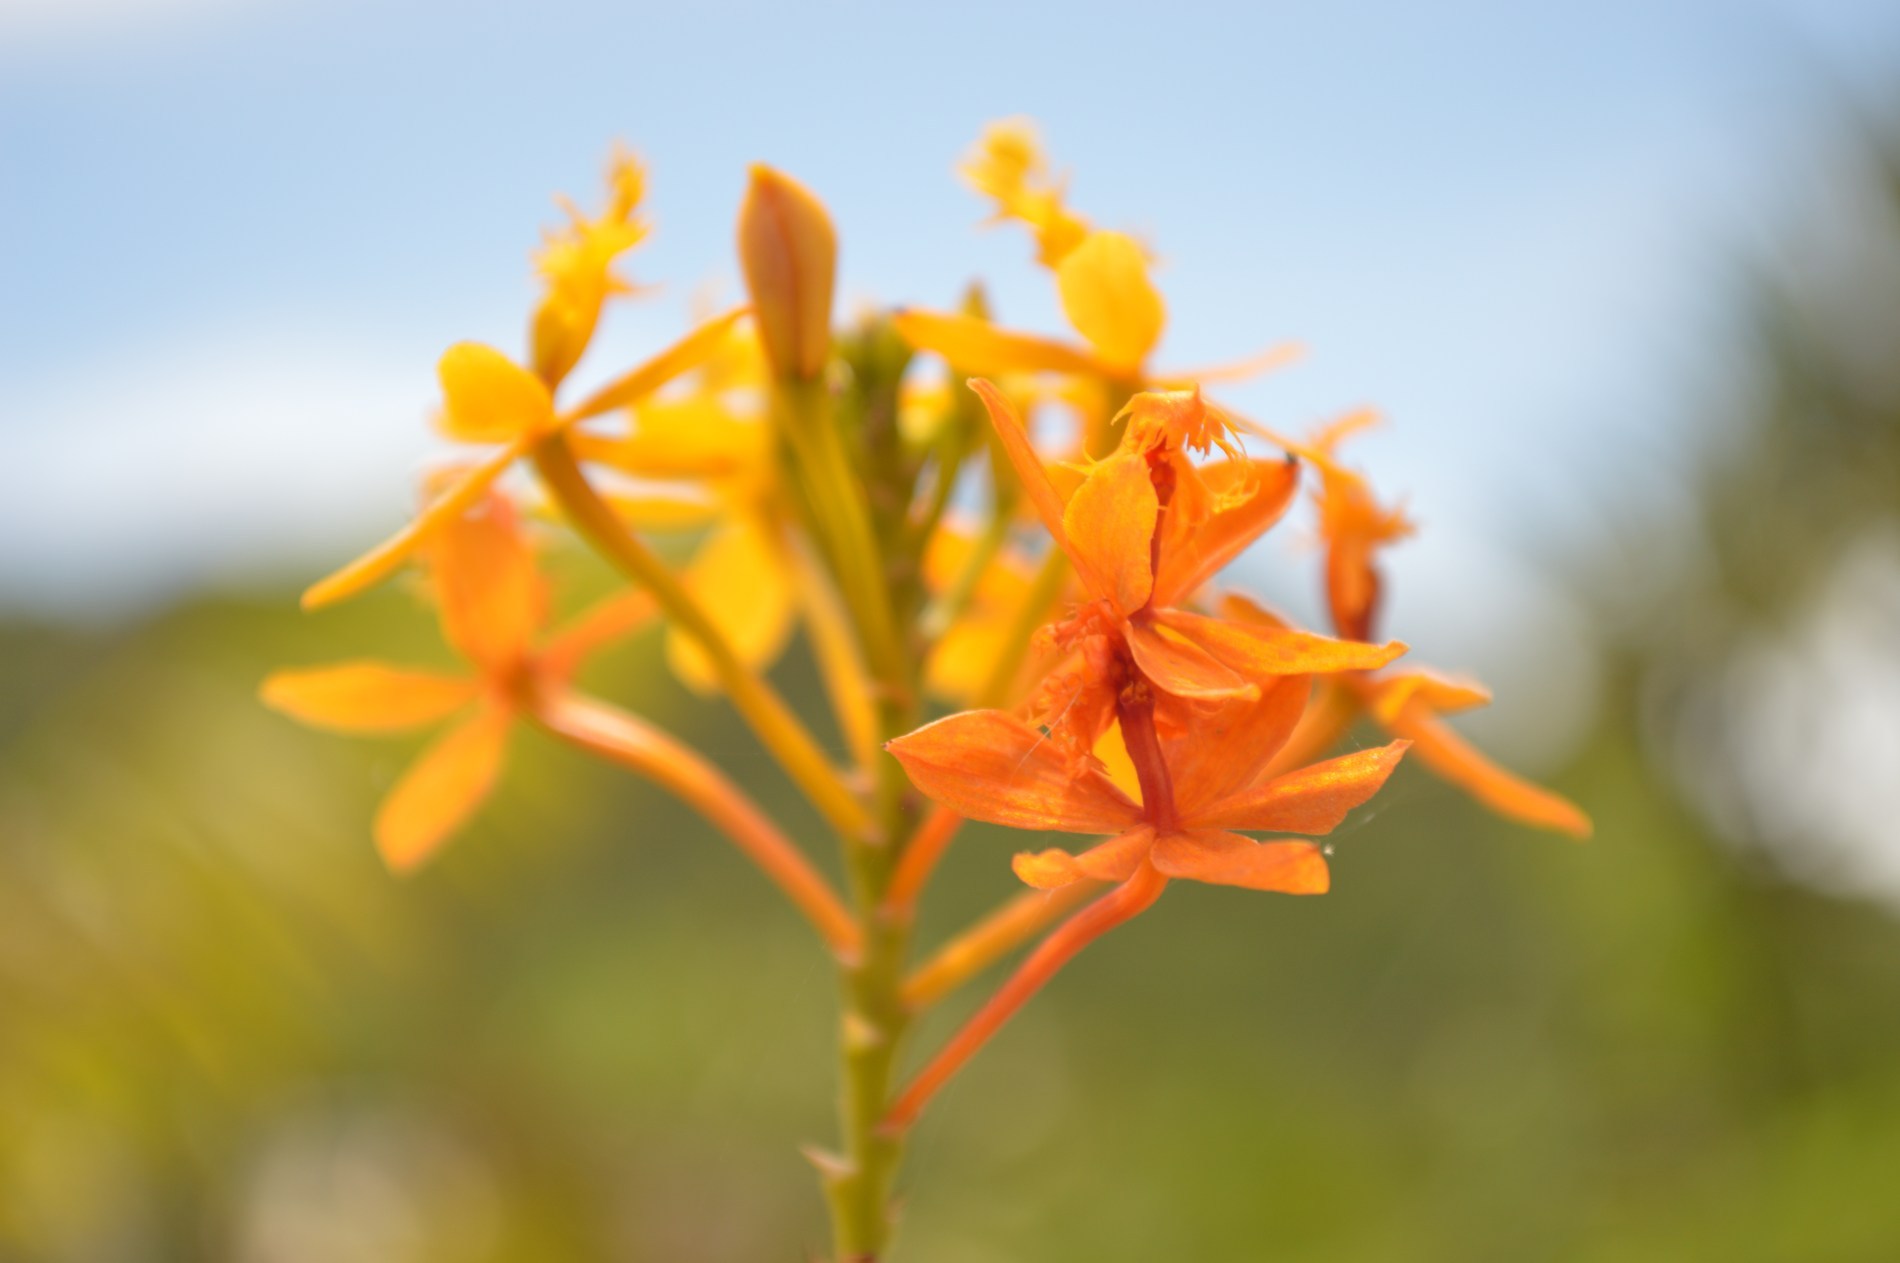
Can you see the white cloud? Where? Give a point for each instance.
(136, 475)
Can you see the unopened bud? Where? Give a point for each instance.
(789, 253)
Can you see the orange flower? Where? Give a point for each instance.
(1411, 704)
(1145, 528)
(492, 603)
(1201, 780)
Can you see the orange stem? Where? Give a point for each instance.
(619, 737)
(989, 940)
(1127, 900)
(919, 859)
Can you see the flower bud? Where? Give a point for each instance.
(789, 253)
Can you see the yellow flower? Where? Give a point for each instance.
(1102, 278)
(1009, 167)
(576, 265)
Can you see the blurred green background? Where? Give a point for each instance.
(589, 1032)
(1627, 277)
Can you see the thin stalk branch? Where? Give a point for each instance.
(774, 722)
(1126, 901)
(989, 940)
(918, 860)
(624, 740)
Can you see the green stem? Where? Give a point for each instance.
(774, 722)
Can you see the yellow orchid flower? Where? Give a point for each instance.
(1102, 278)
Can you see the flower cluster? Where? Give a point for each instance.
(936, 550)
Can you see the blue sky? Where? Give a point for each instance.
(237, 233)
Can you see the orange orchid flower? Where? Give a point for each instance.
(492, 603)
(1201, 780)
(1200, 776)
(1137, 552)
(1411, 704)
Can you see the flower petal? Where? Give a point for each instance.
(1110, 521)
(989, 765)
(1109, 299)
(1228, 859)
(700, 346)
(442, 789)
(1449, 755)
(1440, 694)
(975, 346)
(1256, 650)
(1191, 553)
(1312, 800)
(1114, 860)
(367, 696)
(1216, 750)
(1043, 496)
(387, 557)
(488, 398)
(489, 595)
(741, 581)
(1178, 666)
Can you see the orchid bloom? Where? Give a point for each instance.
(1202, 781)
(1410, 704)
(1146, 528)
(492, 603)
(1102, 278)
(488, 398)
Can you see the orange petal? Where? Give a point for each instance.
(1114, 860)
(1110, 522)
(1043, 496)
(1440, 694)
(1449, 755)
(1228, 859)
(488, 398)
(387, 557)
(489, 594)
(1193, 554)
(1109, 299)
(1312, 800)
(1264, 361)
(367, 696)
(441, 790)
(1182, 668)
(1256, 650)
(1218, 750)
(975, 346)
(989, 765)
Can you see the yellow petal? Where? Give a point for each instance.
(699, 347)
(441, 790)
(387, 557)
(366, 696)
(1109, 299)
(488, 398)
(976, 347)
(739, 579)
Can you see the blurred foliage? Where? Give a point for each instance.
(589, 1031)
